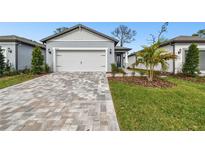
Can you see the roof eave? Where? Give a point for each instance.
(76, 26)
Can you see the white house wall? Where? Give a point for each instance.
(80, 39)
(10, 56)
(25, 56)
(131, 60)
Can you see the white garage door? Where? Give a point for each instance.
(80, 60)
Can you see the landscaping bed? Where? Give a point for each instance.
(142, 81)
(140, 108)
(196, 79)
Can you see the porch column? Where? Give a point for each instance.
(126, 59)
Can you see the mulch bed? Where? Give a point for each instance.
(156, 83)
(196, 79)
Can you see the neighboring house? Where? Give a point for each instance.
(131, 59)
(178, 46)
(18, 50)
(81, 48)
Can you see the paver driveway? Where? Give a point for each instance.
(59, 101)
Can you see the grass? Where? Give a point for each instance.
(12, 80)
(142, 108)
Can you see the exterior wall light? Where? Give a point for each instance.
(110, 51)
(179, 52)
(49, 51)
(9, 50)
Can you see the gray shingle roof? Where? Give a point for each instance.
(184, 39)
(14, 38)
(122, 48)
(78, 26)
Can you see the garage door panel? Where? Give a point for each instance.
(80, 60)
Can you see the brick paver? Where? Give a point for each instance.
(59, 101)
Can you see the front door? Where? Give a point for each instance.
(119, 60)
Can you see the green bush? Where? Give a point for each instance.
(37, 61)
(115, 70)
(2, 62)
(46, 68)
(191, 65)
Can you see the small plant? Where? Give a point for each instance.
(133, 69)
(37, 61)
(2, 62)
(26, 70)
(7, 66)
(46, 68)
(114, 69)
(191, 65)
(141, 73)
(120, 70)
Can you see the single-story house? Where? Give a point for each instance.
(81, 48)
(18, 50)
(178, 46)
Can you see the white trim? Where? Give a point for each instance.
(54, 59)
(60, 48)
(80, 41)
(126, 58)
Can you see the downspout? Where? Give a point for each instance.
(16, 55)
(173, 45)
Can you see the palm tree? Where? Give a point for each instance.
(152, 56)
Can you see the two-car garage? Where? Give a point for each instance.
(80, 49)
(80, 60)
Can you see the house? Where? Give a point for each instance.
(179, 46)
(18, 50)
(81, 48)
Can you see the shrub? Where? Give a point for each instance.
(37, 61)
(191, 65)
(2, 62)
(114, 69)
(7, 66)
(133, 69)
(26, 70)
(46, 68)
(141, 73)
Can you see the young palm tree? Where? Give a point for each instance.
(152, 56)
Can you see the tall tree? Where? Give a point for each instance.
(159, 37)
(2, 62)
(200, 33)
(37, 61)
(60, 29)
(191, 65)
(124, 34)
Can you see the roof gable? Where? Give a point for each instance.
(80, 27)
(79, 35)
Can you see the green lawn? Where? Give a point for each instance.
(178, 108)
(12, 80)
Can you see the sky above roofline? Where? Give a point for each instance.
(38, 30)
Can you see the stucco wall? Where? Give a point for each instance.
(181, 57)
(131, 60)
(25, 56)
(180, 53)
(80, 44)
(10, 56)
